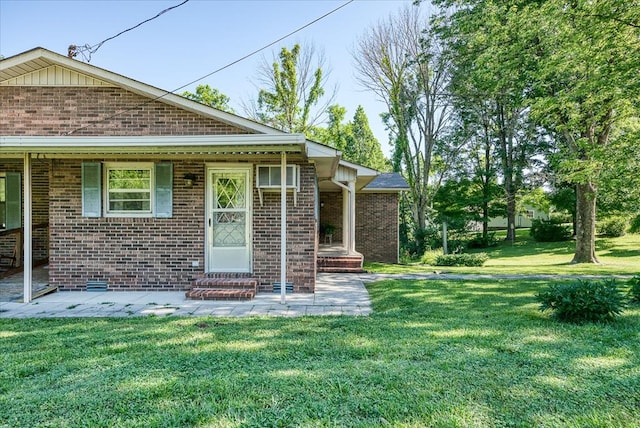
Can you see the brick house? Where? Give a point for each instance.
(110, 180)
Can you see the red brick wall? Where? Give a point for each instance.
(331, 213)
(301, 235)
(376, 223)
(157, 254)
(377, 226)
(40, 206)
(57, 110)
(146, 253)
(128, 253)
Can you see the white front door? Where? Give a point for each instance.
(229, 219)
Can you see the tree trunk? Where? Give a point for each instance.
(485, 220)
(585, 224)
(511, 218)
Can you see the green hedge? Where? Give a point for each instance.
(461, 259)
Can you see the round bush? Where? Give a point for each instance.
(613, 226)
(547, 231)
(583, 301)
(634, 226)
(634, 289)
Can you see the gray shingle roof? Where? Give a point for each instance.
(388, 180)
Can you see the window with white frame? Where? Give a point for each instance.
(129, 189)
(269, 177)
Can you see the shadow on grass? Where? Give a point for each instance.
(434, 353)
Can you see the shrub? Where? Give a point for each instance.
(634, 226)
(613, 226)
(547, 231)
(583, 301)
(634, 290)
(470, 260)
(429, 257)
(480, 241)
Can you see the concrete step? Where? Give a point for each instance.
(337, 269)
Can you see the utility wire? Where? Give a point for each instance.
(86, 51)
(214, 71)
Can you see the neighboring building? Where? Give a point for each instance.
(112, 180)
(524, 218)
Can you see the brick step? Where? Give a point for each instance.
(197, 293)
(346, 263)
(340, 261)
(226, 283)
(223, 286)
(234, 275)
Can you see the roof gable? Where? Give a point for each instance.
(34, 61)
(54, 75)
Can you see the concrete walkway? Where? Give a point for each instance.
(372, 277)
(336, 294)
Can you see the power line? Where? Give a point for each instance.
(86, 51)
(214, 71)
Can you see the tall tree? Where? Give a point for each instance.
(577, 61)
(354, 139)
(399, 62)
(205, 94)
(292, 89)
(492, 102)
(363, 148)
(337, 133)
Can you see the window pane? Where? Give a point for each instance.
(129, 190)
(290, 171)
(129, 179)
(275, 175)
(263, 175)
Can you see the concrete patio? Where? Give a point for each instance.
(336, 294)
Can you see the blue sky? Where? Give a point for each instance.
(202, 35)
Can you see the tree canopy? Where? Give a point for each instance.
(205, 94)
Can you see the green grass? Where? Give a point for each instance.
(525, 256)
(434, 353)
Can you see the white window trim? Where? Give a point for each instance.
(268, 187)
(107, 166)
(296, 177)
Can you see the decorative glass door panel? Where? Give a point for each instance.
(229, 225)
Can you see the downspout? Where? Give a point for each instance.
(27, 258)
(283, 228)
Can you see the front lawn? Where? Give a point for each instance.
(525, 256)
(434, 353)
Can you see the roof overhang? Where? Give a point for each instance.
(325, 158)
(364, 175)
(11, 146)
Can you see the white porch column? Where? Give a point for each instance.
(346, 217)
(352, 217)
(27, 260)
(283, 228)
